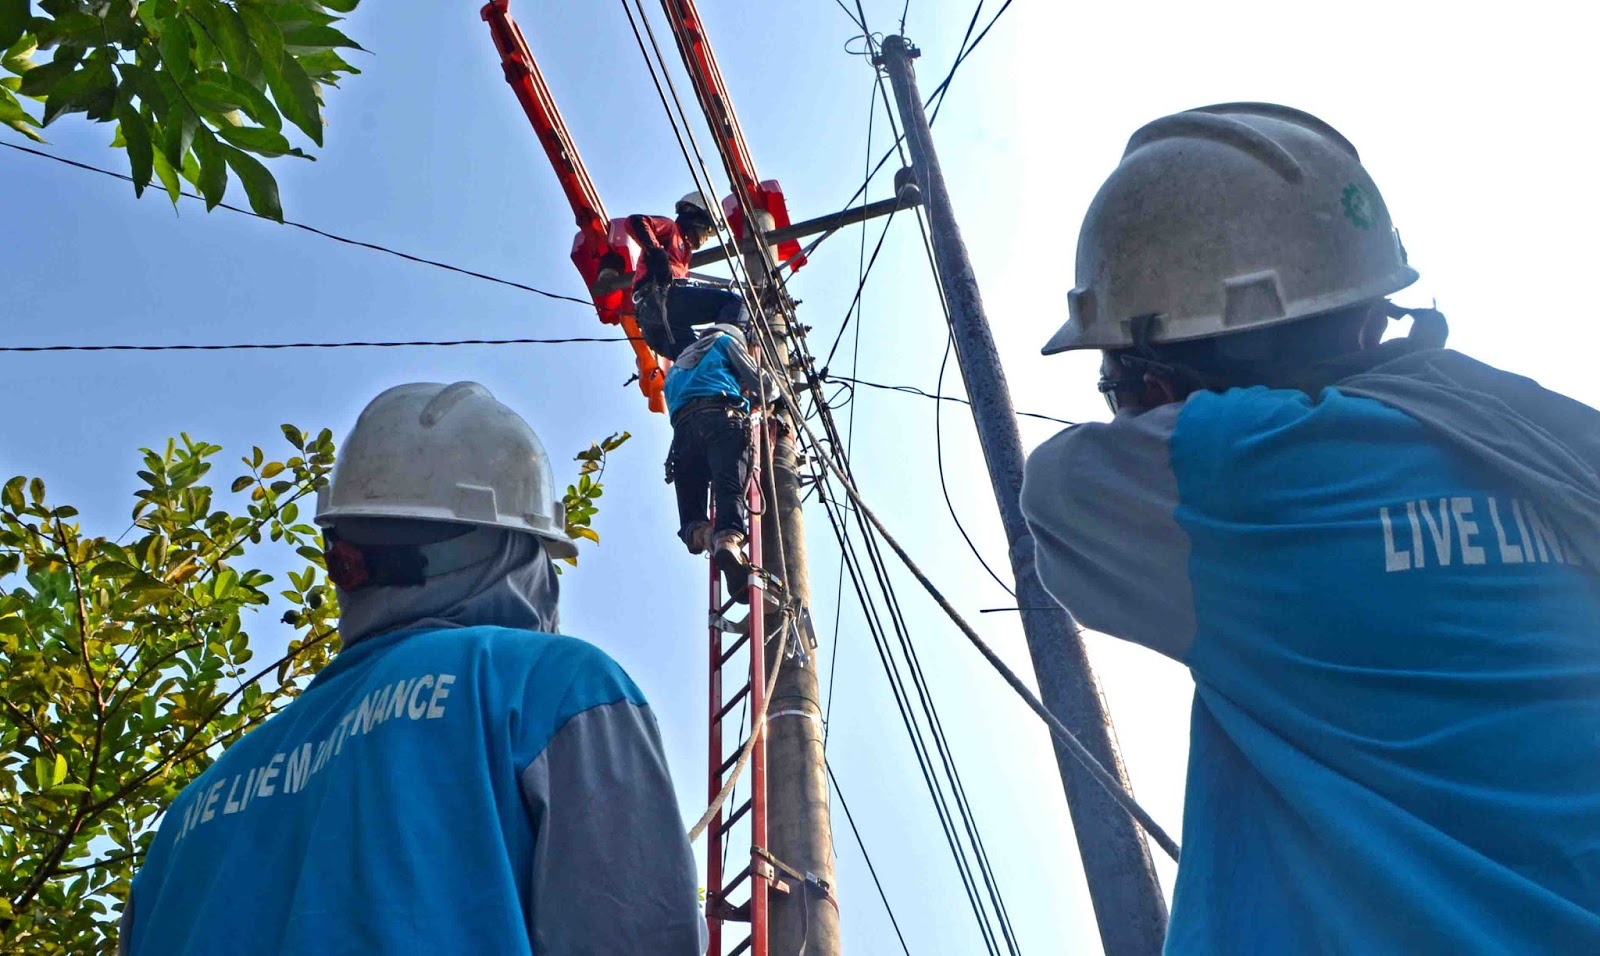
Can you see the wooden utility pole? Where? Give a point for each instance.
(1127, 900)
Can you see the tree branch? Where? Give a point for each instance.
(179, 752)
(85, 867)
(49, 744)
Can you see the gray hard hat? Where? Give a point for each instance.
(1227, 218)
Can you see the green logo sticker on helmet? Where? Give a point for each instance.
(1358, 207)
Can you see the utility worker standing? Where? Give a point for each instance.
(667, 302)
(1377, 559)
(460, 779)
(706, 392)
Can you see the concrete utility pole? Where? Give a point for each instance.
(799, 832)
(1127, 900)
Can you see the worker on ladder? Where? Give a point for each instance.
(460, 779)
(706, 391)
(667, 301)
(1377, 558)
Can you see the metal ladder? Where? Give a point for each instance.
(750, 680)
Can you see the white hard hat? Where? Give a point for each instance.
(696, 200)
(449, 453)
(1227, 218)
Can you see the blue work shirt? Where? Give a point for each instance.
(474, 790)
(1395, 735)
(711, 371)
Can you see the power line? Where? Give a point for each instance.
(938, 458)
(961, 57)
(862, 846)
(913, 390)
(319, 232)
(304, 345)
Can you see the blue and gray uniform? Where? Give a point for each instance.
(438, 790)
(1388, 599)
(716, 367)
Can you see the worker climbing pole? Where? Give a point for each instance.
(758, 878)
(792, 845)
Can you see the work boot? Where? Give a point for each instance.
(728, 553)
(699, 538)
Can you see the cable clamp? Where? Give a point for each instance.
(808, 880)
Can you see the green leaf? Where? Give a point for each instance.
(18, 57)
(294, 436)
(241, 483)
(175, 43)
(213, 168)
(313, 37)
(59, 773)
(13, 115)
(258, 183)
(325, 65)
(266, 36)
(168, 176)
(140, 153)
(179, 126)
(256, 105)
(257, 140)
(13, 21)
(272, 470)
(296, 97)
(40, 80)
(36, 490)
(341, 6)
(216, 97)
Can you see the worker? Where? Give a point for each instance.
(668, 303)
(706, 392)
(1377, 558)
(460, 778)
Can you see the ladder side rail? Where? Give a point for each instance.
(714, 758)
(760, 883)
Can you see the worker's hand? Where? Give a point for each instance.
(657, 266)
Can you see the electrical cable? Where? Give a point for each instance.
(913, 390)
(862, 846)
(319, 232)
(305, 345)
(855, 359)
(938, 457)
(943, 88)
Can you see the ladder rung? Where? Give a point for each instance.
(743, 947)
(733, 649)
(733, 886)
(732, 702)
(728, 764)
(722, 830)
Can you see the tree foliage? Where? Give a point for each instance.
(126, 665)
(196, 88)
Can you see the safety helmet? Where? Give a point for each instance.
(1226, 218)
(450, 453)
(694, 204)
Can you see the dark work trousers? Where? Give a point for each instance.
(688, 305)
(711, 449)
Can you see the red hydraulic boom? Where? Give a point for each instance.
(766, 196)
(602, 248)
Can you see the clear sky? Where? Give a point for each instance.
(1475, 125)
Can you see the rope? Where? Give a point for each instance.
(759, 727)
